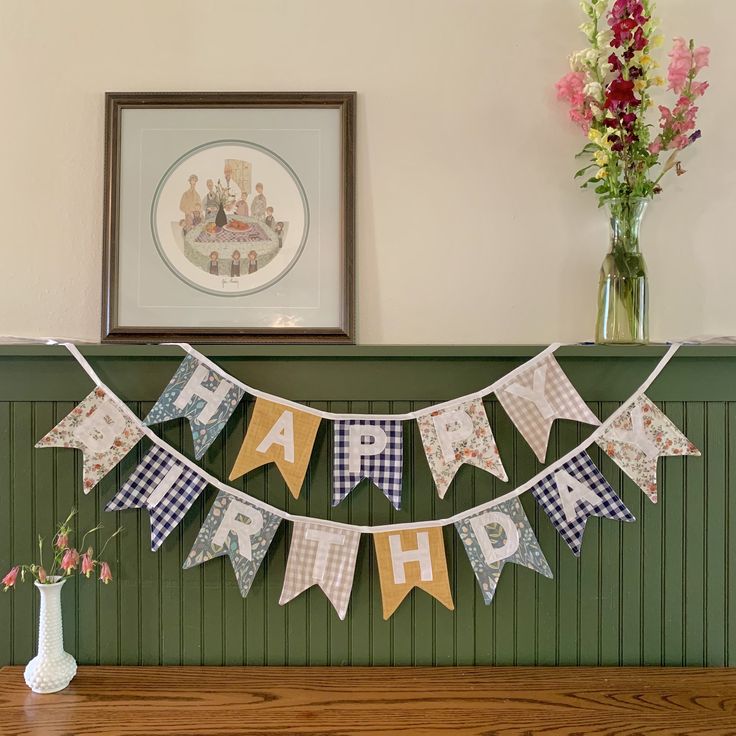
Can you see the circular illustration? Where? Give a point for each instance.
(230, 218)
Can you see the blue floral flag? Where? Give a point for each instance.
(572, 493)
(368, 448)
(239, 530)
(203, 396)
(165, 486)
(499, 535)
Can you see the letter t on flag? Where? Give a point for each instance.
(282, 435)
(412, 558)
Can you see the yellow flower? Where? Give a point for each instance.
(594, 136)
(602, 173)
(601, 158)
(658, 41)
(646, 60)
(640, 84)
(659, 81)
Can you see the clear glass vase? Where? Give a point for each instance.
(623, 290)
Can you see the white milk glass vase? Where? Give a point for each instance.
(52, 669)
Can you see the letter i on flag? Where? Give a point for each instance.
(572, 493)
(101, 430)
(638, 438)
(325, 556)
(282, 435)
(371, 449)
(239, 530)
(536, 397)
(166, 487)
(203, 396)
(497, 536)
(456, 435)
(412, 558)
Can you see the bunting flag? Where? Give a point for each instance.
(165, 486)
(201, 395)
(412, 558)
(497, 536)
(537, 396)
(278, 434)
(456, 435)
(100, 428)
(638, 437)
(572, 493)
(324, 556)
(372, 449)
(239, 530)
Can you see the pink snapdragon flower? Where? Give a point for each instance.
(9, 580)
(69, 561)
(88, 564)
(105, 573)
(571, 89)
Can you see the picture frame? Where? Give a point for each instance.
(229, 217)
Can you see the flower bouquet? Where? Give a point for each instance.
(630, 150)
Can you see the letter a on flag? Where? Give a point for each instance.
(101, 430)
(325, 556)
(203, 396)
(282, 435)
(638, 438)
(572, 493)
(239, 530)
(412, 558)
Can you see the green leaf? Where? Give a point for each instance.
(578, 174)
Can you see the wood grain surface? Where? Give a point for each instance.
(214, 701)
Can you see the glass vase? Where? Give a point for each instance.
(623, 290)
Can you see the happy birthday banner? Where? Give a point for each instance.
(324, 552)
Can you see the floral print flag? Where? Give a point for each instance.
(638, 437)
(456, 435)
(201, 395)
(165, 486)
(239, 530)
(371, 449)
(100, 428)
(325, 556)
(572, 493)
(499, 535)
(537, 396)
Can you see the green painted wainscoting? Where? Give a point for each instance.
(661, 591)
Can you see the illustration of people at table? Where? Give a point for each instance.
(252, 262)
(214, 263)
(270, 219)
(241, 206)
(190, 201)
(258, 205)
(235, 264)
(233, 190)
(210, 200)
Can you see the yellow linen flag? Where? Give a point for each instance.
(412, 558)
(278, 434)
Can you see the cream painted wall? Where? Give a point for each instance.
(470, 229)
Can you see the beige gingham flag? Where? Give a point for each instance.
(321, 555)
(278, 434)
(412, 558)
(537, 396)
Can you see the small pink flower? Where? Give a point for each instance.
(88, 564)
(69, 561)
(105, 574)
(655, 147)
(701, 58)
(570, 88)
(62, 541)
(9, 580)
(41, 575)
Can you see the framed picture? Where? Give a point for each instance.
(229, 217)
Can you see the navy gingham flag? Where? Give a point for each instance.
(368, 448)
(167, 487)
(572, 493)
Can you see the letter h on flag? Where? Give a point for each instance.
(371, 449)
(201, 395)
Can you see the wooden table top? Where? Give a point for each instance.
(220, 701)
